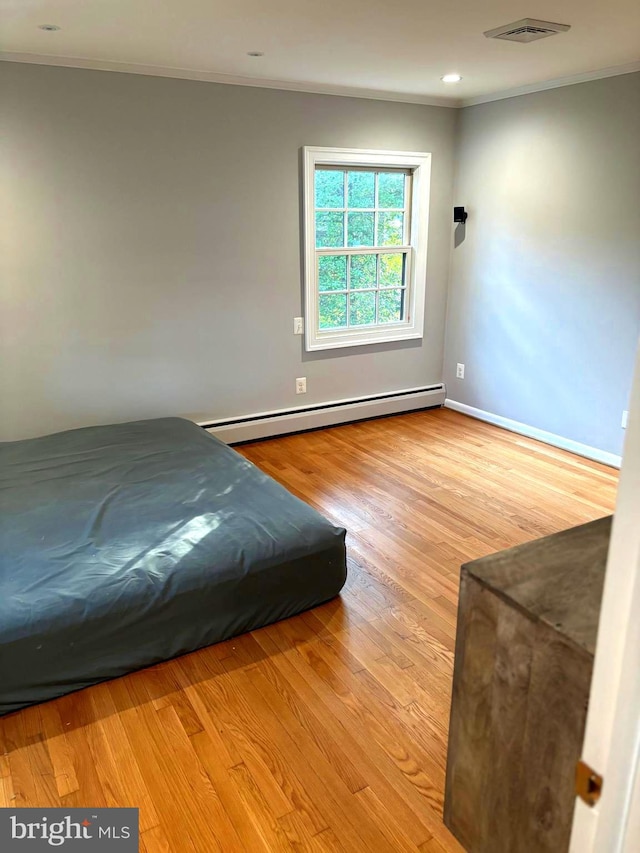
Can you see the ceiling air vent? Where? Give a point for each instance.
(528, 29)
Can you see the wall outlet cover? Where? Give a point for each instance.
(301, 385)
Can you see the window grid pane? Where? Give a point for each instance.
(363, 270)
(362, 302)
(360, 228)
(361, 192)
(391, 306)
(332, 273)
(362, 308)
(333, 311)
(328, 195)
(353, 306)
(391, 223)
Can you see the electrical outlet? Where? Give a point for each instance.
(298, 326)
(625, 415)
(460, 371)
(301, 385)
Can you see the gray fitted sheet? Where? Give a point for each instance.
(125, 545)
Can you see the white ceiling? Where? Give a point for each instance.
(378, 48)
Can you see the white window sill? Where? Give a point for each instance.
(336, 339)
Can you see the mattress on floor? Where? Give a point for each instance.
(126, 545)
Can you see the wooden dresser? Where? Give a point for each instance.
(527, 624)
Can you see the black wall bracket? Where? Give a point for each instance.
(459, 214)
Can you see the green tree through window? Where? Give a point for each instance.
(363, 211)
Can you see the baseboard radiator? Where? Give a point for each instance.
(283, 421)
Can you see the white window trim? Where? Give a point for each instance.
(413, 325)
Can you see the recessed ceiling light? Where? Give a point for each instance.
(49, 28)
(255, 53)
(451, 78)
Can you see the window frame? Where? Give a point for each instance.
(419, 166)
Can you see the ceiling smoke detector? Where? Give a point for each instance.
(528, 29)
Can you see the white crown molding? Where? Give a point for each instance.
(313, 88)
(229, 79)
(557, 83)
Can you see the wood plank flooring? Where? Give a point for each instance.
(326, 732)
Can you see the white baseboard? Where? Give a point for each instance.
(282, 421)
(539, 434)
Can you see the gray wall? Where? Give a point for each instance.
(544, 303)
(153, 262)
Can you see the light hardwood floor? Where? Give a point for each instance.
(326, 732)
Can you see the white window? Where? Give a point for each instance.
(366, 222)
